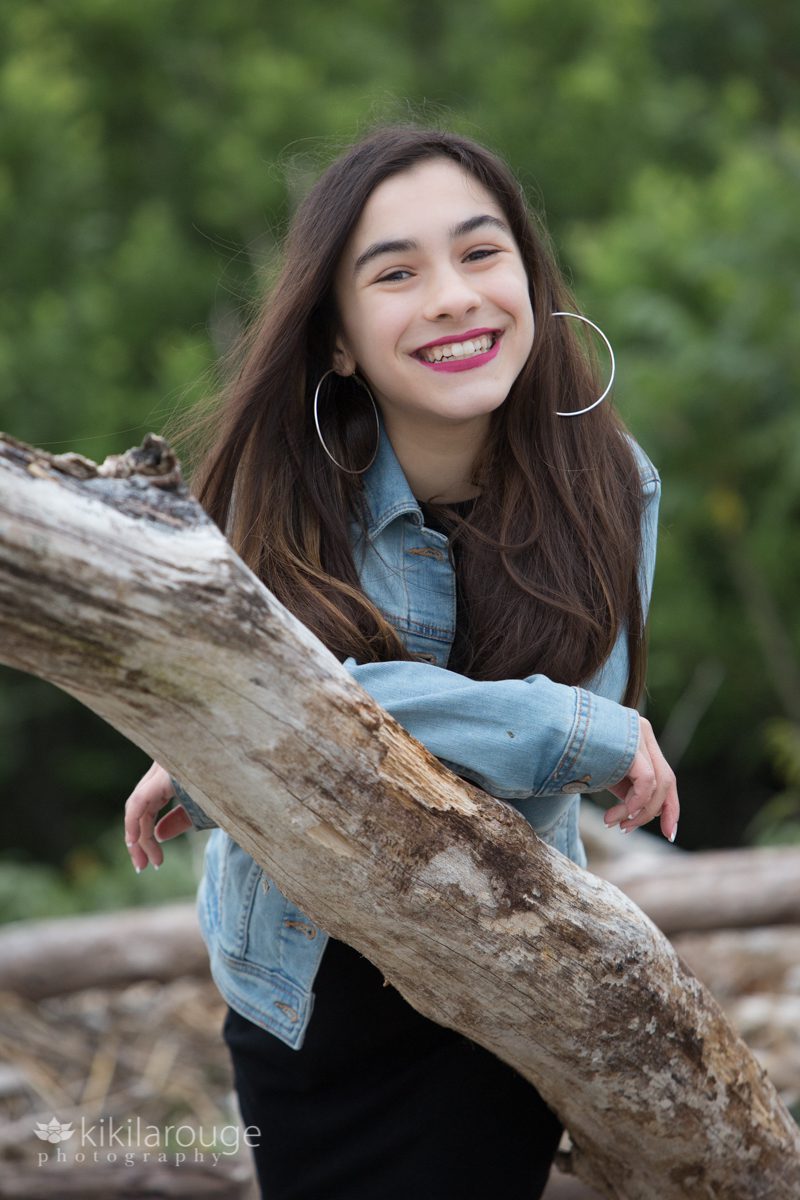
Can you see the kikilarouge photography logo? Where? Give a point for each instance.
(54, 1131)
(134, 1141)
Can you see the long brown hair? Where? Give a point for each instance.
(549, 553)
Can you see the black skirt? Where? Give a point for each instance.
(382, 1104)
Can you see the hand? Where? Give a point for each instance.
(151, 793)
(648, 790)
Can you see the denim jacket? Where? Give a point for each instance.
(532, 742)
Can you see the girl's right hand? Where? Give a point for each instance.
(142, 834)
(648, 790)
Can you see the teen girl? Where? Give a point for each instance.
(414, 458)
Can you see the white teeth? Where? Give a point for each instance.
(458, 349)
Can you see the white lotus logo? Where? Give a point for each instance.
(54, 1131)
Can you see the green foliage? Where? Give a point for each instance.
(779, 820)
(151, 154)
(95, 877)
(699, 278)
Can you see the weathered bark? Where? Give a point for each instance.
(114, 586)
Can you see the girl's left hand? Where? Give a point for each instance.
(142, 834)
(649, 789)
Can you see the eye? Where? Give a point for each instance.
(479, 255)
(394, 277)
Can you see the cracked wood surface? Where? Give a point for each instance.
(116, 587)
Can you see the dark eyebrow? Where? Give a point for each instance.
(404, 245)
(475, 223)
(397, 246)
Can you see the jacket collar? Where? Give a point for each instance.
(386, 488)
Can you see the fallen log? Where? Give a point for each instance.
(53, 957)
(116, 587)
(713, 889)
(734, 961)
(67, 954)
(99, 1180)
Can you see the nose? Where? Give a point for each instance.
(450, 294)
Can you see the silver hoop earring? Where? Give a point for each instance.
(349, 470)
(578, 412)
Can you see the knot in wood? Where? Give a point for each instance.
(155, 458)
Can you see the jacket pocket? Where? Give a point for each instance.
(251, 910)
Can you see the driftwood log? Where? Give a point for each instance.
(715, 889)
(116, 587)
(736, 961)
(67, 954)
(52, 957)
(129, 1183)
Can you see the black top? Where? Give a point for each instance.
(460, 653)
(384, 1096)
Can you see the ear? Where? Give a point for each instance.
(343, 361)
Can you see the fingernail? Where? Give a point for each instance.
(635, 814)
(138, 870)
(155, 866)
(129, 844)
(674, 831)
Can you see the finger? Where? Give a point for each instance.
(615, 814)
(638, 817)
(671, 812)
(173, 823)
(619, 817)
(669, 807)
(146, 850)
(149, 796)
(133, 805)
(641, 795)
(622, 791)
(140, 811)
(664, 802)
(138, 858)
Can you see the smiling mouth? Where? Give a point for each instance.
(456, 351)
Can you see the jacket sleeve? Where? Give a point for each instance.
(199, 819)
(522, 738)
(517, 738)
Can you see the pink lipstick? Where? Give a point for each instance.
(462, 364)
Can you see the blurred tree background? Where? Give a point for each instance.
(150, 156)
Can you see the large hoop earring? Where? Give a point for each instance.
(579, 411)
(349, 470)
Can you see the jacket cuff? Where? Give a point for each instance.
(601, 747)
(199, 819)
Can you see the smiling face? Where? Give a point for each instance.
(433, 300)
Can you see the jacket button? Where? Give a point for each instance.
(576, 785)
(287, 1009)
(304, 927)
